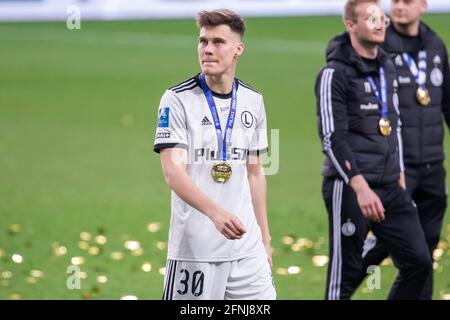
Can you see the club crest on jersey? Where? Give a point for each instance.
(436, 77)
(247, 119)
(348, 228)
(399, 60)
(163, 118)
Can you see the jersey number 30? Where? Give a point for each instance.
(198, 278)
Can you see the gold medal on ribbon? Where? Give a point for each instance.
(423, 97)
(385, 127)
(221, 171)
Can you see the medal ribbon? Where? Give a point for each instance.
(381, 98)
(222, 141)
(420, 73)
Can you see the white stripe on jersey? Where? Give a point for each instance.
(326, 111)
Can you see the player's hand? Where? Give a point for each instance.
(370, 204)
(228, 224)
(402, 180)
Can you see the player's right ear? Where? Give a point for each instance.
(349, 26)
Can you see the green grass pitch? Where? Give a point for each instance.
(78, 111)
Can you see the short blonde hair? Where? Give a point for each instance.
(350, 8)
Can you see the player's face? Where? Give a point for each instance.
(370, 25)
(405, 12)
(218, 50)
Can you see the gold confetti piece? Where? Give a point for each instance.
(116, 255)
(435, 265)
(14, 228)
(294, 270)
(95, 289)
(2, 253)
(161, 245)
(86, 296)
(320, 261)
(282, 271)
(302, 243)
(101, 239)
(128, 297)
(31, 280)
(296, 247)
(138, 252)
(77, 261)
(94, 251)
(367, 290)
(83, 275)
(162, 271)
(154, 227)
(132, 245)
(288, 240)
(58, 250)
(387, 262)
(86, 236)
(6, 274)
(309, 244)
(37, 273)
(15, 296)
(146, 267)
(102, 279)
(17, 258)
(437, 254)
(442, 245)
(83, 245)
(445, 296)
(127, 120)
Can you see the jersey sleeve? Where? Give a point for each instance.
(259, 143)
(171, 131)
(333, 122)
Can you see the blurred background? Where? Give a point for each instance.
(80, 83)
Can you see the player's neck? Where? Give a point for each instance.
(411, 29)
(365, 49)
(222, 84)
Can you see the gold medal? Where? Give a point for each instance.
(221, 171)
(385, 127)
(423, 97)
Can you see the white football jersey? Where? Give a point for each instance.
(185, 121)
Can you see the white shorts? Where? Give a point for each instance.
(245, 279)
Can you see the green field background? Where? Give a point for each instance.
(78, 111)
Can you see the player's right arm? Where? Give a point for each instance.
(172, 144)
(331, 96)
(173, 162)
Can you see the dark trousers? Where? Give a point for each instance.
(426, 185)
(400, 233)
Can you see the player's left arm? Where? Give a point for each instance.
(446, 90)
(258, 191)
(257, 178)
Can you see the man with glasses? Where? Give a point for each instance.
(424, 90)
(363, 187)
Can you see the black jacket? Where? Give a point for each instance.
(422, 130)
(348, 114)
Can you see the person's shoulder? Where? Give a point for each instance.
(333, 69)
(185, 86)
(431, 36)
(248, 88)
